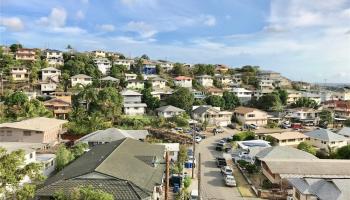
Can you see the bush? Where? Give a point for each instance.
(272, 125)
(242, 163)
(251, 168)
(245, 135)
(266, 184)
(304, 146)
(187, 182)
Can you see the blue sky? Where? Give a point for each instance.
(305, 40)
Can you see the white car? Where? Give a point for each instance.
(230, 181)
(226, 171)
(198, 139)
(253, 126)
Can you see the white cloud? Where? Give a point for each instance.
(68, 30)
(106, 27)
(209, 20)
(143, 29)
(133, 3)
(80, 15)
(12, 23)
(57, 18)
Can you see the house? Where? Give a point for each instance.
(198, 94)
(135, 84)
(320, 188)
(47, 87)
(293, 96)
(278, 79)
(345, 131)
(225, 80)
(248, 144)
(340, 108)
(34, 130)
(158, 82)
(98, 54)
(124, 62)
(50, 74)
(324, 138)
(109, 79)
(54, 57)
(132, 103)
(25, 54)
(149, 67)
(205, 80)
(103, 64)
(130, 76)
(303, 115)
(278, 171)
(266, 84)
(214, 91)
(213, 116)
(168, 111)
(313, 96)
(19, 73)
(183, 81)
(237, 80)
(172, 149)
(289, 138)
(81, 79)
(59, 107)
(246, 115)
(162, 94)
(166, 65)
(65, 96)
(110, 135)
(243, 94)
(127, 169)
(32, 155)
(221, 68)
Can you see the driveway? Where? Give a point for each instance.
(213, 187)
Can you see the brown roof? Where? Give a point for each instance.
(179, 78)
(288, 135)
(245, 110)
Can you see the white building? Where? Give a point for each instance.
(205, 80)
(81, 79)
(225, 80)
(124, 62)
(130, 76)
(173, 150)
(305, 115)
(47, 88)
(324, 138)
(183, 81)
(266, 84)
(169, 111)
(98, 54)
(103, 64)
(135, 84)
(132, 103)
(19, 73)
(166, 65)
(158, 82)
(50, 74)
(243, 94)
(54, 57)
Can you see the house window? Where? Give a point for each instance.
(31, 155)
(251, 115)
(27, 133)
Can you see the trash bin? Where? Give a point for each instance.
(176, 188)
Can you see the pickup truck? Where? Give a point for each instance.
(221, 162)
(222, 147)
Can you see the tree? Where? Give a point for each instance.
(110, 103)
(63, 157)
(13, 170)
(180, 70)
(79, 149)
(144, 56)
(271, 139)
(283, 95)
(343, 152)
(181, 98)
(217, 83)
(326, 117)
(15, 47)
(117, 71)
(305, 102)
(215, 101)
(269, 102)
(159, 69)
(231, 100)
(84, 193)
(304, 146)
(151, 101)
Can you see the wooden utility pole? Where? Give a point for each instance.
(167, 176)
(199, 176)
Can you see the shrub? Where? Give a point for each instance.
(266, 184)
(242, 163)
(187, 182)
(251, 168)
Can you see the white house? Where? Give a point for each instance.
(50, 74)
(103, 64)
(168, 111)
(266, 84)
(243, 94)
(132, 103)
(183, 81)
(304, 115)
(212, 115)
(20, 73)
(166, 65)
(205, 80)
(54, 57)
(158, 82)
(247, 115)
(124, 62)
(130, 76)
(47, 88)
(135, 84)
(225, 80)
(173, 150)
(81, 79)
(324, 138)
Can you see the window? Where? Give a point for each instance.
(31, 155)
(18, 76)
(251, 115)
(27, 133)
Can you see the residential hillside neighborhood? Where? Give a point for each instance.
(104, 124)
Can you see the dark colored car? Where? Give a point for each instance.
(221, 162)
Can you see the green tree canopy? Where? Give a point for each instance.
(15, 47)
(151, 101)
(180, 70)
(304, 146)
(269, 102)
(343, 152)
(215, 101)
(84, 193)
(181, 98)
(305, 102)
(231, 100)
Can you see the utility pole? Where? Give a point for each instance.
(167, 175)
(194, 149)
(199, 176)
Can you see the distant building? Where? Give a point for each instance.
(135, 84)
(243, 94)
(25, 54)
(205, 80)
(214, 91)
(183, 81)
(304, 115)
(173, 150)
(98, 54)
(130, 76)
(324, 138)
(34, 130)
(158, 82)
(47, 87)
(81, 79)
(213, 116)
(247, 115)
(50, 74)
(132, 103)
(149, 67)
(221, 68)
(20, 73)
(53, 57)
(198, 94)
(169, 111)
(225, 80)
(103, 64)
(124, 62)
(59, 107)
(166, 65)
(290, 138)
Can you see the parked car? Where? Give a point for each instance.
(253, 126)
(218, 130)
(203, 136)
(226, 170)
(222, 147)
(194, 195)
(179, 129)
(230, 181)
(296, 126)
(232, 126)
(221, 162)
(198, 139)
(285, 125)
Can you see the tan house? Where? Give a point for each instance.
(34, 130)
(212, 115)
(65, 96)
(81, 79)
(290, 138)
(205, 80)
(158, 82)
(214, 91)
(25, 54)
(324, 138)
(59, 107)
(98, 54)
(20, 73)
(246, 115)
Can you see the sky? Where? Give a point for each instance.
(305, 40)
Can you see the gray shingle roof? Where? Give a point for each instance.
(109, 78)
(130, 93)
(325, 135)
(169, 109)
(113, 134)
(283, 152)
(81, 76)
(200, 110)
(127, 159)
(345, 131)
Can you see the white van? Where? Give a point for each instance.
(194, 195)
